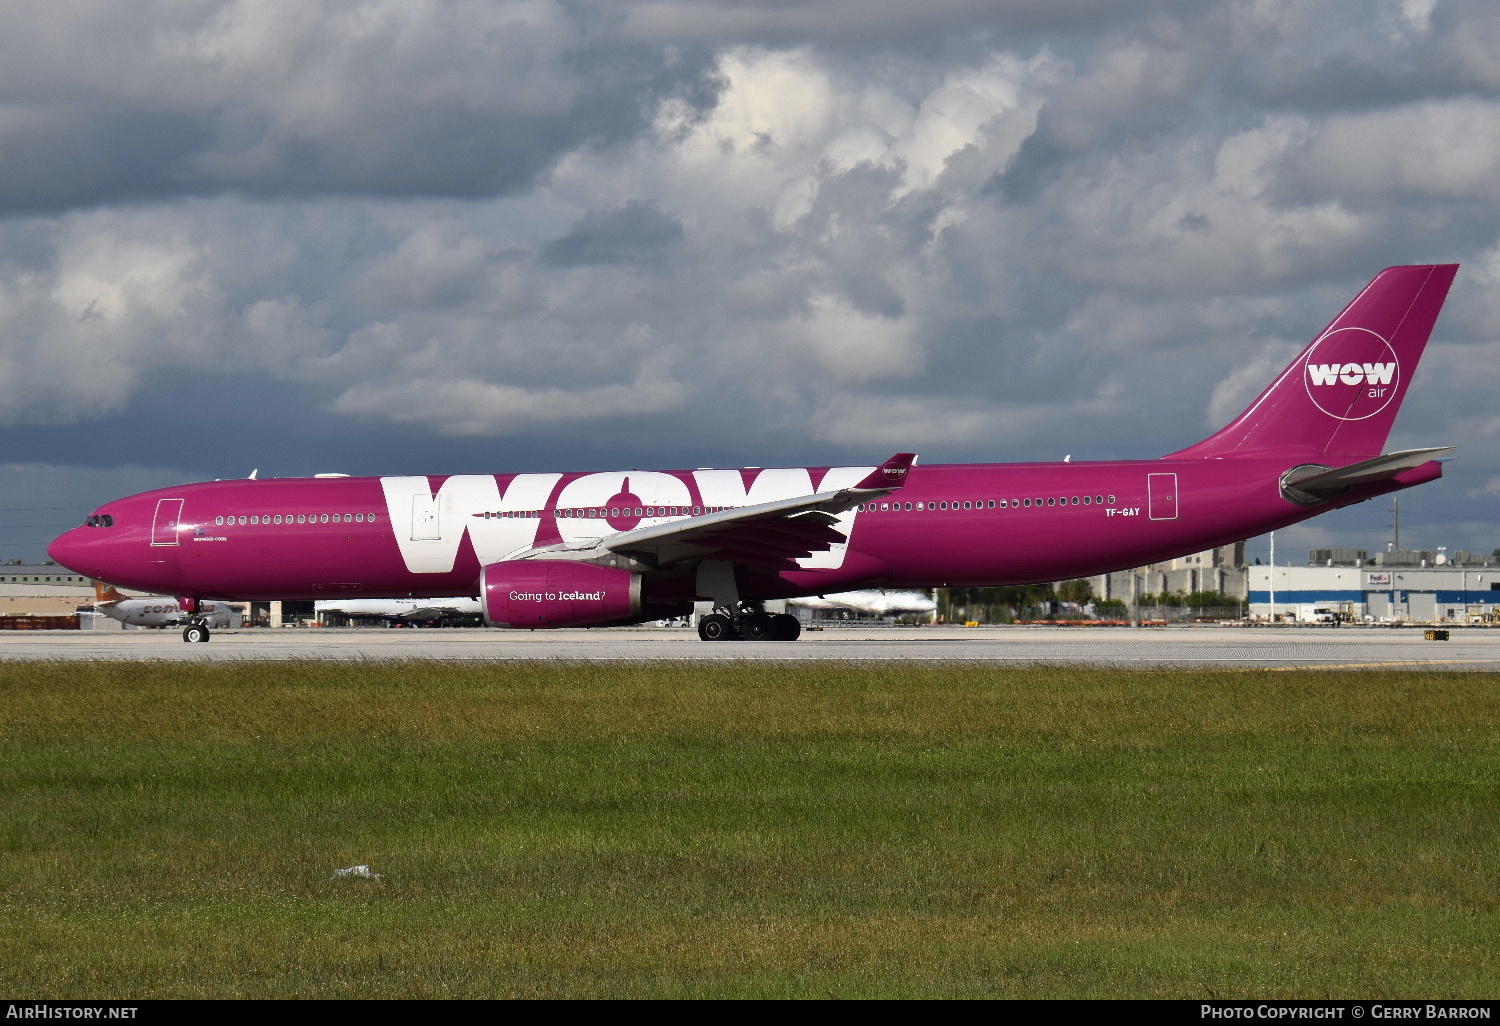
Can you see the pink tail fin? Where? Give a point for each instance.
(1340, 396)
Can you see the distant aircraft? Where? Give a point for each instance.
(879, 602)
(593, 549)
(156, 611)
(407, 610)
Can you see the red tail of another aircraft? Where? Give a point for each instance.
(1340, 396)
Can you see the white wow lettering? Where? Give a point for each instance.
(429, 528)
(1351, 373)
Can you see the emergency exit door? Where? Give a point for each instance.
(424, 518)
(1161, 496)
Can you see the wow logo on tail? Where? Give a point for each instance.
(1352, 373)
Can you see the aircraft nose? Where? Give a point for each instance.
(65, 550)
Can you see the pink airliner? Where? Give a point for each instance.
(580, 550)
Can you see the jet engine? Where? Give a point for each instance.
(542, 593)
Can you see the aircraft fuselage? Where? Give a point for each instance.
(955, 525)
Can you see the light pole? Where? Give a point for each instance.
(1273, 576)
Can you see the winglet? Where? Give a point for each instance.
(891, 474)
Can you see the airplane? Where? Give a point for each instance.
(155, 610)
(553, 550)
(439, 610)
(879, 602)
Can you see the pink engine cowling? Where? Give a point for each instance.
(542, 593)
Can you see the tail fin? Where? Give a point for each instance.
(106, 595)
(1341, 395)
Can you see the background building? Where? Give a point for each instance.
(42, 590)
(1420, 591)
(1219, 570)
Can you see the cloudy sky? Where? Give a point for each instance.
(401, 236)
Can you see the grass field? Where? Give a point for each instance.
(552, 829)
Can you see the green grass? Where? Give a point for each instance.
(745, 830)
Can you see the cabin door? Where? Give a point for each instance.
(164, 526)
(1161, 493)
(424, 518)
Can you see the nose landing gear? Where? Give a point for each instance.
(195, 632)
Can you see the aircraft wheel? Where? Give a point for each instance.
(715, 627)
(758, 627)
(786, 627)
(195, 633)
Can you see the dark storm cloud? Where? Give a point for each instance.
(458, 99)
(861, 23)
(637, 233)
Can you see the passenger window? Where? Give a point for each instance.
(359, 518)
(1051, 500)
(278, 520)
(968, 505)
(323, 518)
(255, 520)
(1028, 503)
(219, 521)
(1099, 499)
(992, 504)
(1075, 500)
(1003, 504)
(1111, 500)
(697, 511)
(1087, 499)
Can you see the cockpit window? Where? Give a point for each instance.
(100, 520)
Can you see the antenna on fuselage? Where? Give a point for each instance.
(253, 473)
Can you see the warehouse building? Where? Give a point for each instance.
(1411, 586)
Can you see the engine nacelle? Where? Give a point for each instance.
(542, 593)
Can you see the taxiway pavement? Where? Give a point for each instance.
(1279, 647)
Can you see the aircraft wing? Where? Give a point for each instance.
(770, 535)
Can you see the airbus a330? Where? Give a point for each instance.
(592, 549)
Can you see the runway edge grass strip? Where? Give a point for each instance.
(717, 829)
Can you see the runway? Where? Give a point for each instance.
(1228, 646)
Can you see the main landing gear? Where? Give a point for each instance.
(749, 625)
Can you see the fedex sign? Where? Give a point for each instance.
(1351, 373)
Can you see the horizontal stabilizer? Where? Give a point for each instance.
(1319, 483)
